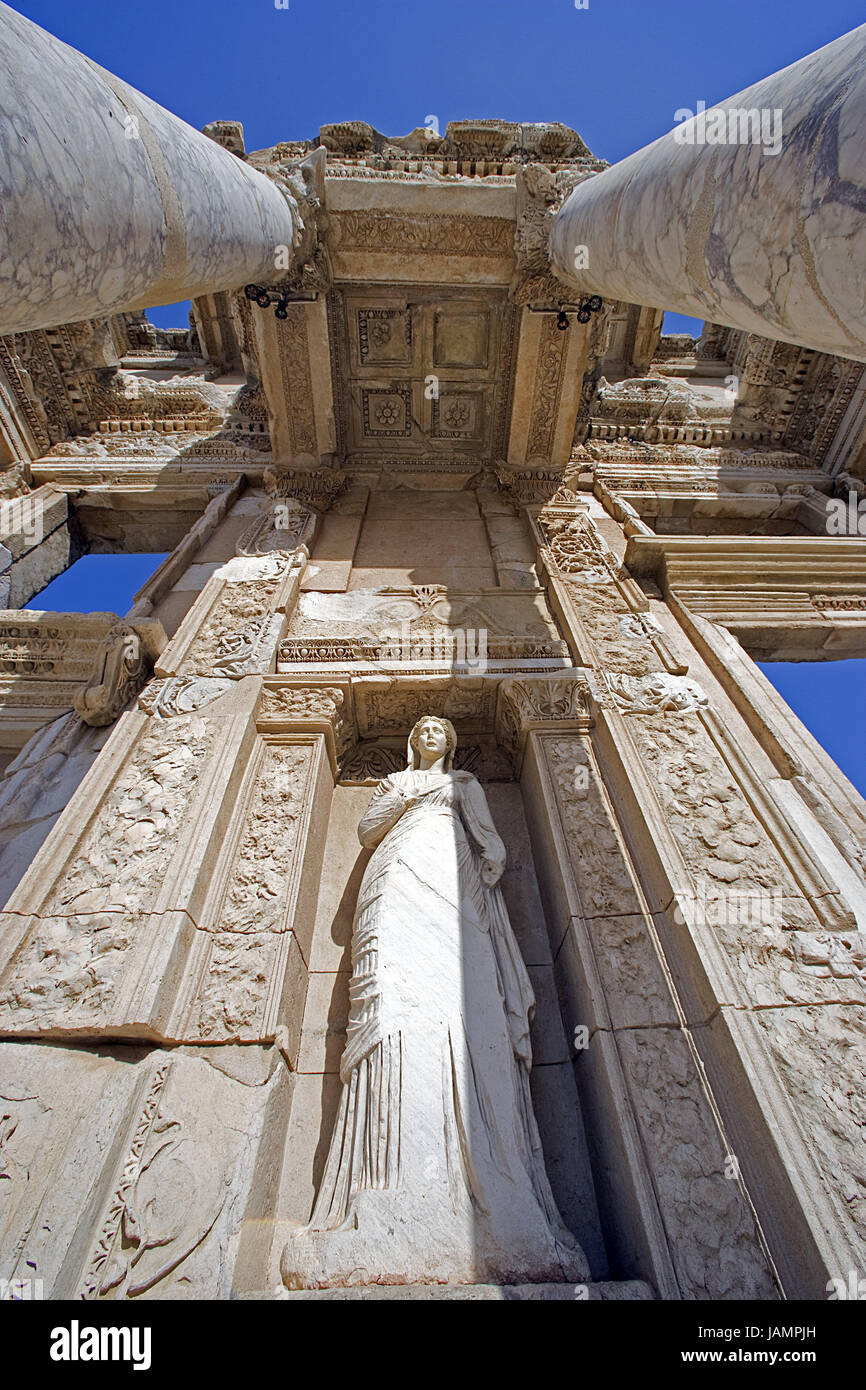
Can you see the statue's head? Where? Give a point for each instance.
(434, 737)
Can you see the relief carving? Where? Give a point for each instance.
(76, 953)
(368, 763)
(20, 1124)
(314, 702)
(443, 233)
(171, 1193)
(685, 1145)
(819, 1054)
(709, 1222)
(399, 707)
(285, 528)
(298, 397)
(659, 693)
(548, 390)
(165, 699)
(539, 702)
(119, 672)
(723, 844)
(255, 910)
(528, 487)
(600, 867)
(315, 487)
(576, 549)
(241, 630)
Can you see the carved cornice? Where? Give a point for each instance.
(316, 487)
(529, 486)
(312, 707)
(528, 703)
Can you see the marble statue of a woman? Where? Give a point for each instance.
(435, 1172)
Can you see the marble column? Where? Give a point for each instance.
(749, 214)
(111, 203)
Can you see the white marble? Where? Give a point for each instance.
(436, 1172)
(768, 236)
(110, 202)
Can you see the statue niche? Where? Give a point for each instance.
(435, 1172)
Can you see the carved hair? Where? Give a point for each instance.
(413, 757)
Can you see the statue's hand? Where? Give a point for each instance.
(491, 871)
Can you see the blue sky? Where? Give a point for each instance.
(830, 698)
(97, 583)
(616, 71)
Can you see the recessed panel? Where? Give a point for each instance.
(459, 415)
(461, 337)
(387, 413)
(384, 335)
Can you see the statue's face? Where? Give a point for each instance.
(431, 739)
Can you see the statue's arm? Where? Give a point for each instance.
(479, 822)
(387, 806)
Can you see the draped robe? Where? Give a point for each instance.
(435, 1171)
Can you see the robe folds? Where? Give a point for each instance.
(435, 1171)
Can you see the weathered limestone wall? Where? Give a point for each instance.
(723, 229)
(172, 902)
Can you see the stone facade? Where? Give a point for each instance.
(416, 490)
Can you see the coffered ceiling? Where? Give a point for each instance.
(420, 370)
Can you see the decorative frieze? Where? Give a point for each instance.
(253, 958)
(445, 234)
(233, 628)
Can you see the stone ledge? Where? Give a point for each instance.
(629, 1291)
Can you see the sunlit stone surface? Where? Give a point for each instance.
(417, 478)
